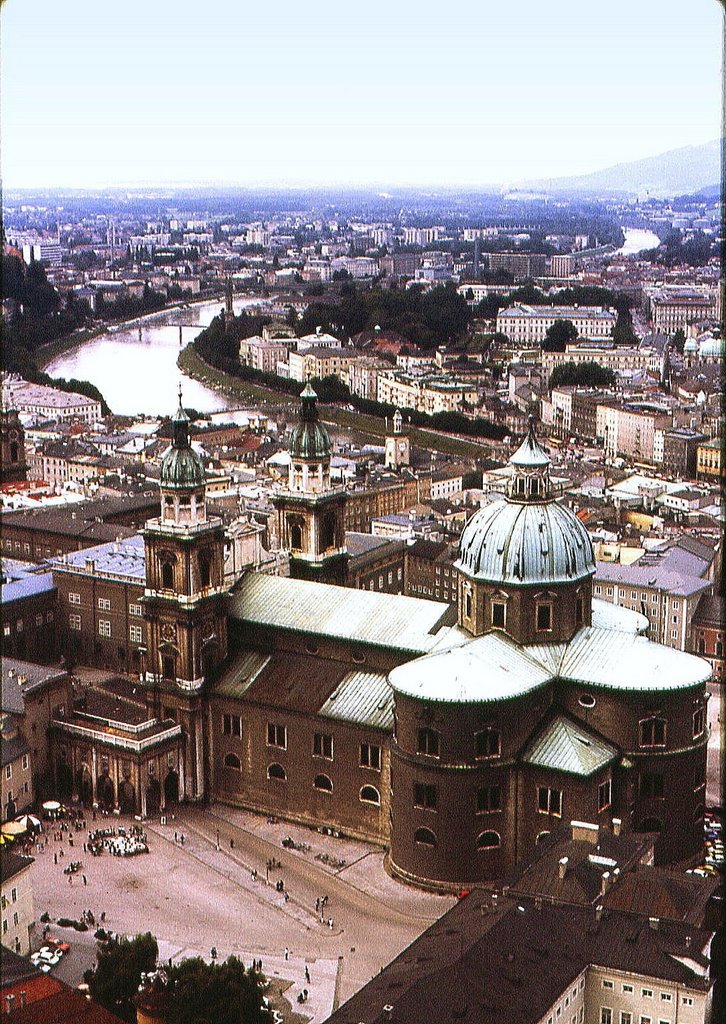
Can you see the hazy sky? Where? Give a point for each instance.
(394, 92)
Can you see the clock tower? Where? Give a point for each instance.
(184, 599)
(398, 445)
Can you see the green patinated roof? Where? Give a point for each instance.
(309, 438)
(240, 675)
(566, 747)
(181, 466)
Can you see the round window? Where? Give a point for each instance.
(586, 700)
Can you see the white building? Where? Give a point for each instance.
(523, 323)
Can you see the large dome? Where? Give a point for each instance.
(525, 543)
(309, 439)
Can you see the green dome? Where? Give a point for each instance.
(181, 467)
(309, 438)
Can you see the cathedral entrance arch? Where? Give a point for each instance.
(171, 787)
(105, 792)
(126, 797)
(84, 785)
(153, 796)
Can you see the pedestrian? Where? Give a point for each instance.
(287, 896)
(305, 995)
(70, 879)
(287, 953)
(317, 905)
(330, 923)
(55, 858)
(307, 974)
(175, 838)
(231, 844)
(60, 852)
(182, 838)
(84, 848)
(103, 915)
(85, 880)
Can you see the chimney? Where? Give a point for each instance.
(388, 1012)
(604, 882)
(563, 866)
(584, 831)
(617, 825)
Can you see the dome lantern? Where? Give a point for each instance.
(182, 478)
(530, 464)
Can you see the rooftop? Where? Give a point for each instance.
(124, 558)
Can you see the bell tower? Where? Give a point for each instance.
(310, 512)
(398, 445)
(184, 599)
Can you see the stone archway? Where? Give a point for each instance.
(84, 785)
(105, 792)
(126, 797)
(171, 787)
(153, 796)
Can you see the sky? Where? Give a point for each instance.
(379, 92)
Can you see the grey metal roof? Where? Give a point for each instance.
(613, 616)
(566, 747)
(524, 544)
(490, 668)
(240, 675)
(659, 576)
(126, 558)
(364, 698)
(27, 586)
(356, 616)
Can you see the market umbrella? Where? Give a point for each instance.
(14, 828)
(51, 805)
(4, 839)
(30, 821)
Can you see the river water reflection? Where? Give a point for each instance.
(135, 368)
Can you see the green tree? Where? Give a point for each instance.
(201, 993)
(590, 374)
(559, 335)
(119, 964)
(679, 340)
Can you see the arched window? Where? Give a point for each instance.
(327, 534)
(323, 782)
(276, 771)
(232, 761)
(467, 605)
(167, 575)
(296, 534)
(370, 795)
(651, 825)
(205, 569)
(653, 732)
(701, 645)
(424, 837)
(168, 666)
(541, 836)
(488, 840)
(487, 743)
(719, 649)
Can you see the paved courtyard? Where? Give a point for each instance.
(212, 890)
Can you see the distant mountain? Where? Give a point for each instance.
(678, 171)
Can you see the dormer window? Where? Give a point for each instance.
(544, 617)
(499, 614)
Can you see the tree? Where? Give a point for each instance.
(559, 335)
(119, 964)
(223, 993)
(679, 340)
(590, 375)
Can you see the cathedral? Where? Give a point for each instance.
(457, 740)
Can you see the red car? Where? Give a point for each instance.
(62, 947)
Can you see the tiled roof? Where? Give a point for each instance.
(564, 746)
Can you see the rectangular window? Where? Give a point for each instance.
(6, 630)
(39, 620)
(14, 895)
(424, 796)
(104, 627)
(74, 598)
(646, 993)
(323, 745)
(486, 743)
(549, 801)
(15, 919)
(49, 617)
(135, 609)
(74, 621)
(276, 735)
(428, 742)
(104, 604)
(645, 1020)
(544, 617)
(606, 1015)
(666, 997)
(488, 798)
(370, 756)
(19, 625)
(5, 926)
(687, 1000)
(627, 988)
(626, 1017)
(231, 725)
(136, 634)
(8, 773)
(25, 762)
(699, 722)
(653, 732)
(498, 614)
(604, 794)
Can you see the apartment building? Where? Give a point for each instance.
(674, 307)
(666, 588)
(16, 898)
(320, 362)
(518, 264)
(619, 358)
(362, 376)
(710, 461)
(630, 430)
(261, 354)
(48, 402)
(529, 324)
(430, 393)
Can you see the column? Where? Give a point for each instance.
(198, 729)
(113, 765)
(94, 774)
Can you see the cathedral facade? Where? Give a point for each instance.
(457, 738)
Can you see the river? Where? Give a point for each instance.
(135, 368)
(637, 239)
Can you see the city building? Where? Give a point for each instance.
(18, 908)
(429, 393)
(674, 307)
(28, 604)
(525, 324)
(13, 465)
(48, 402)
